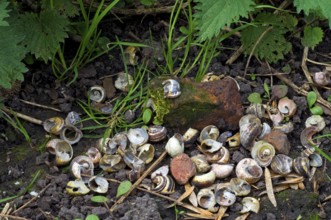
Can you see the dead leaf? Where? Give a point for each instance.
(269, 187)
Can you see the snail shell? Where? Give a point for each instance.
(80, 166)
(63, 154)
(171, 88)
(222, 170)
(209, 146)
(282, 164)
(263, 152)
(123, 81)
(287, 106)
(240, 187)
(224, 196)
(157, 133)
(322, 78)
(162, 171)
(315, 160)
(204, 180)
(94, 154)
(250, 204)
(248, 169)
(201, 163)
(66, 134)
(98, 184)
(286, 128)
(306, 138)
(175, 145)
(234, 141)
(206, 199)
(266, 129)
(53, 125)
(210, 77)
(74, 119)
(256, 109)
(301, 166)
(190, 136)
(111, 163)
(132, 160)
(223, 138)
(276, 118)
(250, 129)
(51, 145)
(163, 184)
(97, 94)
(77, 188)
(317, 121)
(137, 136)
(209, 132)
(146, 153)
(222, 156)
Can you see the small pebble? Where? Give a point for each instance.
(182, 168)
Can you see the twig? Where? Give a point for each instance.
(40, 106)
(221, 212)
(318, 63)
(13, 217)
(306, 72)
(22, 116)
(162, 156)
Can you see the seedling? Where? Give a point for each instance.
(311, 100)
(123, 188)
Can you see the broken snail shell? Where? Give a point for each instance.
(288, 127)
(266, 129)
(301, 166)
(52, 144)
(146, 153)
(74, 119)
(190, 136)
(171, 88)
(322, 78)
(287, 106)
(71, 134)
(132, 161)
(263, 152)
(209, 146)
(250, 129)
(210, 77)
(204, 180)
(317, 121)
(175, 145)
(98, 184)
(209, 132)
(53, 125)
(240, 187)
(157, 133)
(234, 141)
(94, 154)
(250, 204)
(248, 169)
(223, 138)
(111, 163)
(77, 188)
(206, 199)
(123, 81)
(162, 171)
(97, 94)
(82, 167)
(256, 109)
(224, 196)
(163, 184)
(201, 163)
(63, 154)
(222, 156)
(222, 170)
(282, 164)
(306, 137)
(137, 136)
(315, 160)
(276, 118)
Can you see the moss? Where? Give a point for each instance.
(161, 106)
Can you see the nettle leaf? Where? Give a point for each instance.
(44, 33)
(312, 36)
(65, 7)
(11, 55)
(3, 13)
(213, 15)
(311, 6)
(123, 188)
(273, 45)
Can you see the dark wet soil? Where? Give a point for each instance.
(20, 160)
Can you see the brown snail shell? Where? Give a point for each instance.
(301, 166)
(53, 125)
(209, 132)
(222, 156)
(204, 180)
(240, 187)
(98, 184)
(163, 184)
(286, 128)
(171, 88)
(80, 166)
(250, 129)
(249, 170)
(157, 133)
(97, 94)
(224, 196)
(306, 137)
(94, 154)
(287, 106)
(111, 163)
(282, 164)
(66, 135)
(263, 152)
(77, 188)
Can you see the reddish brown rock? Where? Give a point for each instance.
(200, 104)
(279, 140)
(182, 168)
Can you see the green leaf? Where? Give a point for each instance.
(311, 99)
(316, 110)
(99, 199)
(312, 36)
(266, 89)
(65, 7)
(44, 33)
(4, 13)
(92, 217)
(329, 98)
(147, 2)
(311, 6)
(123, 188)
(213, 15)
(147, 115)
(254, 98)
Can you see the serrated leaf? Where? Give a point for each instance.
(316, 110)
(312, 36)
(44, 33)
(311, 6)
(99, 199)
(92, 217)
(254, 98)
(212, 15)
(65, 7)
(147, 115)
(4, 13)
(311, 99)
(123, 188)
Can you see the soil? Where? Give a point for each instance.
(20, 160)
